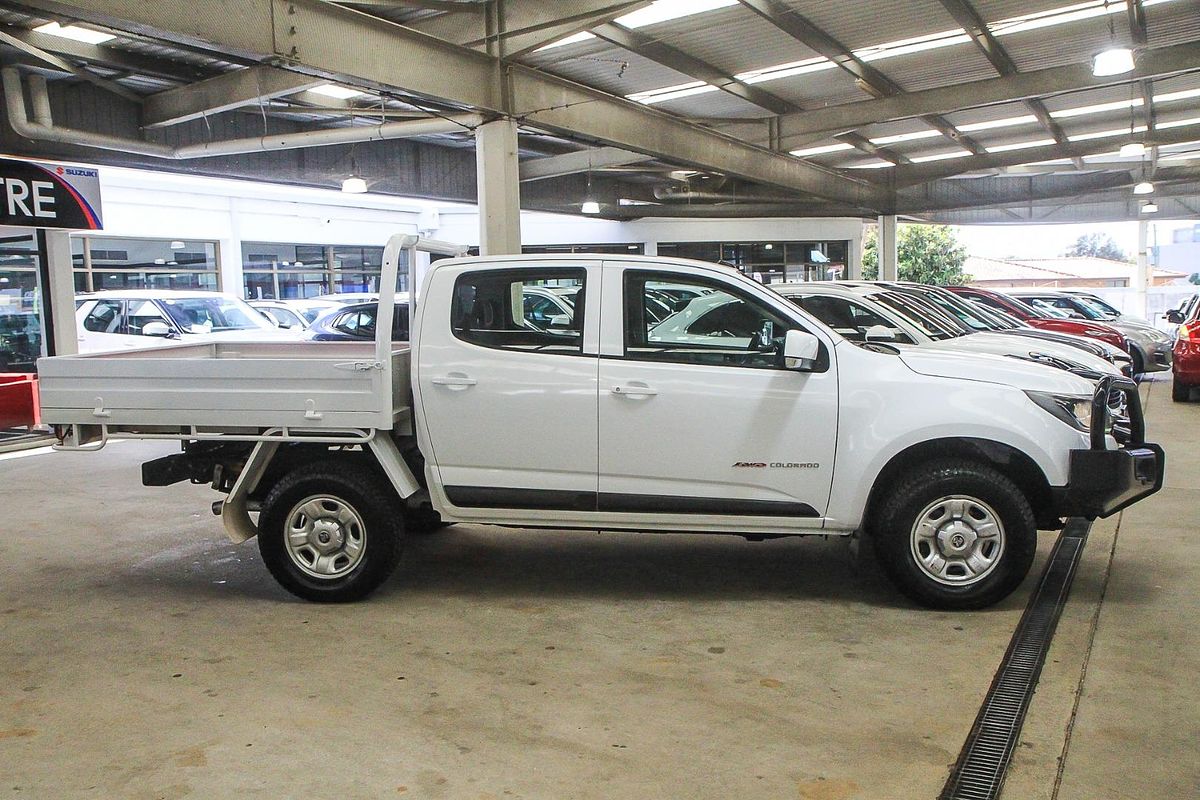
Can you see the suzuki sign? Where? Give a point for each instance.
(45, 195)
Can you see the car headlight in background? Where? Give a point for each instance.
(1074, 410)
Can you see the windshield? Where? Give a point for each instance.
(1064, 308)
(214, 314)
(1002, 317)
(926, 318)
(1103, 309)
(955, 307)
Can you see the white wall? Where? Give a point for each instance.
(163, 205)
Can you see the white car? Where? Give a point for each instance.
(867, 312)
(295, 313)
(137, 318)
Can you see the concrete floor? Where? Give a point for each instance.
(145, 657)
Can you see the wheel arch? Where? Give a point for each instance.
(1019, 467)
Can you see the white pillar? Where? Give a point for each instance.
(854, 252)
(889, 269)
(61, 292)
(229, 254)
(1141, 278)
(498, 188)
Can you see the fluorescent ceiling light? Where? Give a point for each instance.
(658, 11)
(1145, 187)
(905, 137)
(590, 207)
(75, 32)
(354, 185)
(825, 148)
(1007, 122)
(671, 93)
(1096, 108)
(1132, 150)
(336, 92)
(940, 156)
(1083, 137)
(1179, 123)
(1115, 61)
(1002, 148)
(875, 164)
(1185, 94)
(1150, 208)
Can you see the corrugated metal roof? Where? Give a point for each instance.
(616, 70)
(954, 64)
(1173, 23)
(733, 39)
(867, 24)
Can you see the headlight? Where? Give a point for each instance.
(1074, 410)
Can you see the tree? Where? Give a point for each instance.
(925, 253)
(1098, 245)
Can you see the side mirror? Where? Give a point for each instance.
(880, 333)
(800, 350)
(560, 321)
(1175, 316)
(160, 329)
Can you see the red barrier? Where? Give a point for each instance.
(19, 406)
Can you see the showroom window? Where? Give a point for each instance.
(109, 263)
(774, 261)
(278, 271)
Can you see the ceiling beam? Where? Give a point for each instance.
(1011, 192)
(965, 15)
(868, 78)
(681, 62)
(49, 59)
(923, 173)
(582, 161)
(225, 92)
(337, 43)
(107, 57)
(806, 127)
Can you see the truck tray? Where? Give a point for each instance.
(228, 386)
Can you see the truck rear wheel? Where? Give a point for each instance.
(955, 535)
(330, 532)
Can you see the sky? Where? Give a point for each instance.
(1051, 241)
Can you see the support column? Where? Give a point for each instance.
(889, 269)
(1141, 278)
(498, 185)
(61, 293)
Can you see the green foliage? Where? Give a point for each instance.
(926, 254)
(1098, 245)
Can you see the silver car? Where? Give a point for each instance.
(1149, 347)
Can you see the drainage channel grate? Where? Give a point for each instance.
(983, 762)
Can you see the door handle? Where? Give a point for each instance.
(453, 381)
(634, 389)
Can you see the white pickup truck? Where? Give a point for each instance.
(746, 417)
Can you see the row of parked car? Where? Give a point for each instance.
(1076, 331)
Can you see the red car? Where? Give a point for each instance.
(1023, 312)
(1185, 368)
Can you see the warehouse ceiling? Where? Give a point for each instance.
(962, 111)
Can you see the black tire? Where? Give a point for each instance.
(1180, 391)
(380, 534)
(987, 492)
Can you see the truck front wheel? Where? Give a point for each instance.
(330, 532)
(955, 535)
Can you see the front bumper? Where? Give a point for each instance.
(1156, 356)
(1101, 481)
